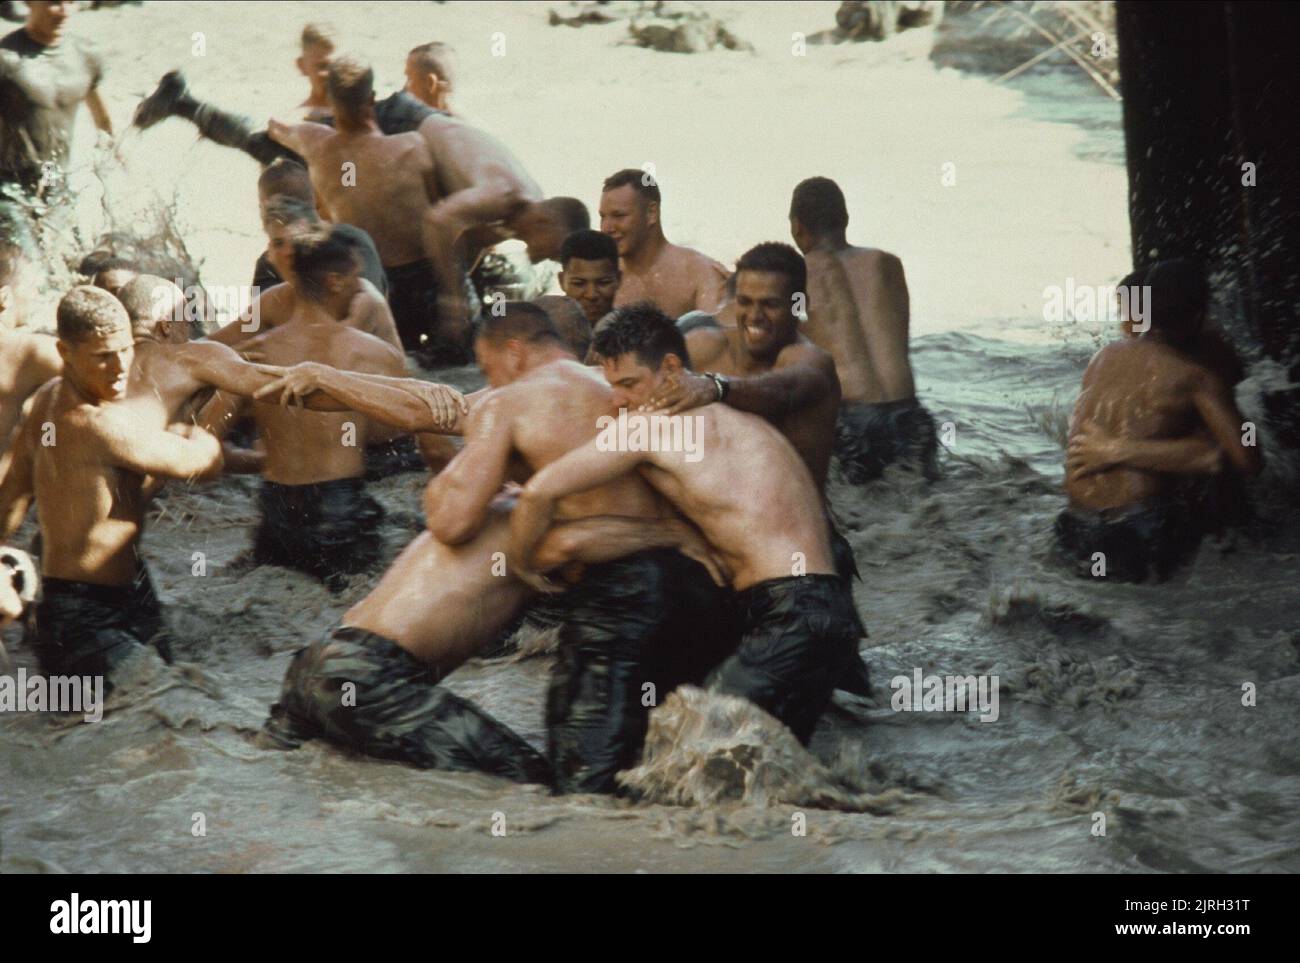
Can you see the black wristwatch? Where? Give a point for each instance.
(722, 382)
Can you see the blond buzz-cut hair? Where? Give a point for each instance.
(89, 312)
(319, 34)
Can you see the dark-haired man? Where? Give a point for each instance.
(589, 272)
(1150, 415)
(316, 515)
(754, 500)
(858, 311)
(44, 78)
(85, 460)
(625, 622)
(381, 184)
(677, 279)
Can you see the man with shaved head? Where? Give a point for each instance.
(85, 461)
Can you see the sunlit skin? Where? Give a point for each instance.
(592, 284)
(314, 64)
(98, 366)
(633, 382)
(45, 21)
(765, 312)
(628, 219)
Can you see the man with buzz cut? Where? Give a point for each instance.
(86, 461)
(589, 272)
(677, 279)
(757, 505)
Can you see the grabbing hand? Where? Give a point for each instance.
(445, 403)
(293, 384)
(1091, 450)
(682, 391)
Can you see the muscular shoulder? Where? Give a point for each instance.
(881, 264)
(803, 351)
(705, 345)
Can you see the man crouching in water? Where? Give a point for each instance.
(755, 502)
(86, 462)
(1150, 414)
(316, 514)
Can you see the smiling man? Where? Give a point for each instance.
(85, 460)
(589, 272)
(677, 279)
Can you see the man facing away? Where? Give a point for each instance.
(86, 461)
(1149, 415)
(858, 311)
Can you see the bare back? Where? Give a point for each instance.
(304, 447)
(858, 310)
(1140, 389)
(379, 183)
(465, 157)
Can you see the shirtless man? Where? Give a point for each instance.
(43, 79)
(430, 75)
(1149, 415)
(569, 320)
(589, 272)
(488, 197)
(316, 515)
(756, 504)
(86, 460)
(763, 366)
(858, 311)
(398, 113)
(27, 360)
(677, 279)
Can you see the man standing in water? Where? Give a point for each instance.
(858, 311)
(85, 460)
(1149, 414)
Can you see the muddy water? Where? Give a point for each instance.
(1119, 700)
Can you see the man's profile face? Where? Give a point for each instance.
(625, 217)
(315, 65)
(420, 83)
(45, 20)
(99, 364)
(279, 245)
(592, 284)
(764, 311)
(801, 235)
(632, 381)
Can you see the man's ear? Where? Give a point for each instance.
(652, 212)
(560, 281)
(63, 348)
(302, 69)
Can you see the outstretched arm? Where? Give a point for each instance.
(456, 501)
(802, 376)
(406, 403)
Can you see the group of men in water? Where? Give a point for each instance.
(716, 563)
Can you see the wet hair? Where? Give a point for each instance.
(283, 209)
(286, 178)
(143, 303)
(435, 58)
(570, 212)
(319, 35)
(351, 84)
(589, 245)
(1179, 294)
(567, 316)
(87, 312)
(520, 320)
(778, 258)
(818, 204)
(321, 252)
(635, 179)
(640, 329)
